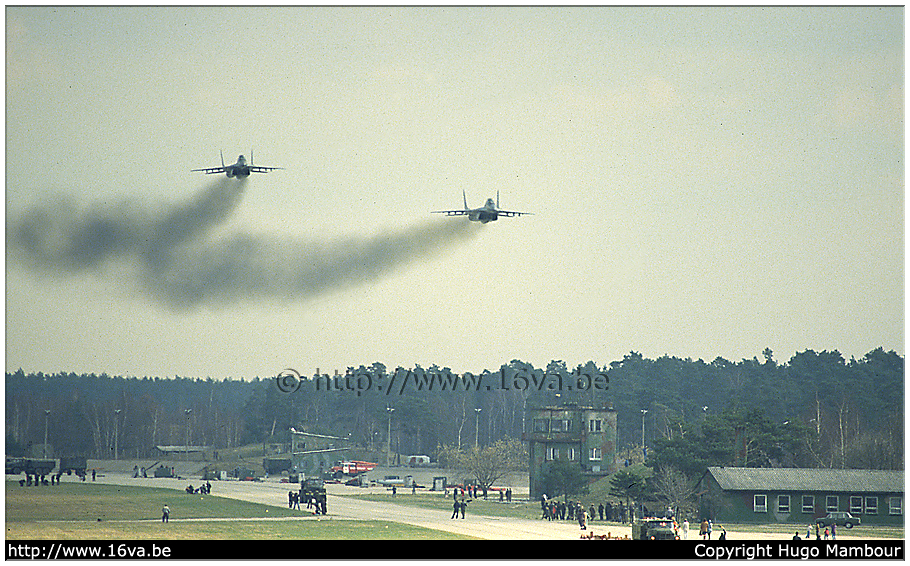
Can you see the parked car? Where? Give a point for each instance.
(839, 518)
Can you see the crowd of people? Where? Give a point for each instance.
(557, 510)
(49, 479)
(314, 501)
(203, 489)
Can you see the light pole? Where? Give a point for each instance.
(476, 426)
(643, 413)
(388, 447)
(116, 434)
(186, 447)
(47, 413)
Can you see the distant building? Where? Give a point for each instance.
(582, 435)
(801, 495)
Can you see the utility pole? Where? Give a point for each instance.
(47, 413)
(186, 447)
(116, 434)
(643, 449)
(388, 449)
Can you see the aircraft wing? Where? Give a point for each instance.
(259, 169)
(210, 170)
(510, 213)
(450, 212)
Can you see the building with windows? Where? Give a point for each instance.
(582, 435)
(801, 495)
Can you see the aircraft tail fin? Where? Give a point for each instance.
(465, 199)
(497, 198)
(222, 158)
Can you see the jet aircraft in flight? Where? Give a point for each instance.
(489, 212)
(239, 169)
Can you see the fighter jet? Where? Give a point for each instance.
(240, 169)
(489, 212)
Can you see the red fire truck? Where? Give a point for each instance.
(352, 468)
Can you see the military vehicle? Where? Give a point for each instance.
(311, 487)
(164, 472)
(650, 528)
(31, 466)
(210, 473)
(243, 473)
(274, 466)
(70, 464)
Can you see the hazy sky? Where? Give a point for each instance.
(705, 182)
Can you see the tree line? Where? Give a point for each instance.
(817, 409)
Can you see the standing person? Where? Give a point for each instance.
(290, 500)
(703, 529)
(455, 507)
(833, 531)
(591, 514)
(583, 518)
(464, 506)
(685, 529)
(710, 528)
(165, 513)
(600, 511)
(93, 474)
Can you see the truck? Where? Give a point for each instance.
(274, 466)
(243, 473)
(31, 466)
(311, 488)
(651, 528)
(351, 468)
(164, 472)
(418, 461)
(70, 464)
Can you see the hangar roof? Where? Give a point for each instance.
(808, 479)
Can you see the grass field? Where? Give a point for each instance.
(84, 511)
(308, 529)
(93, 501)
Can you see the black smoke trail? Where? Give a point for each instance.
(173, 257)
